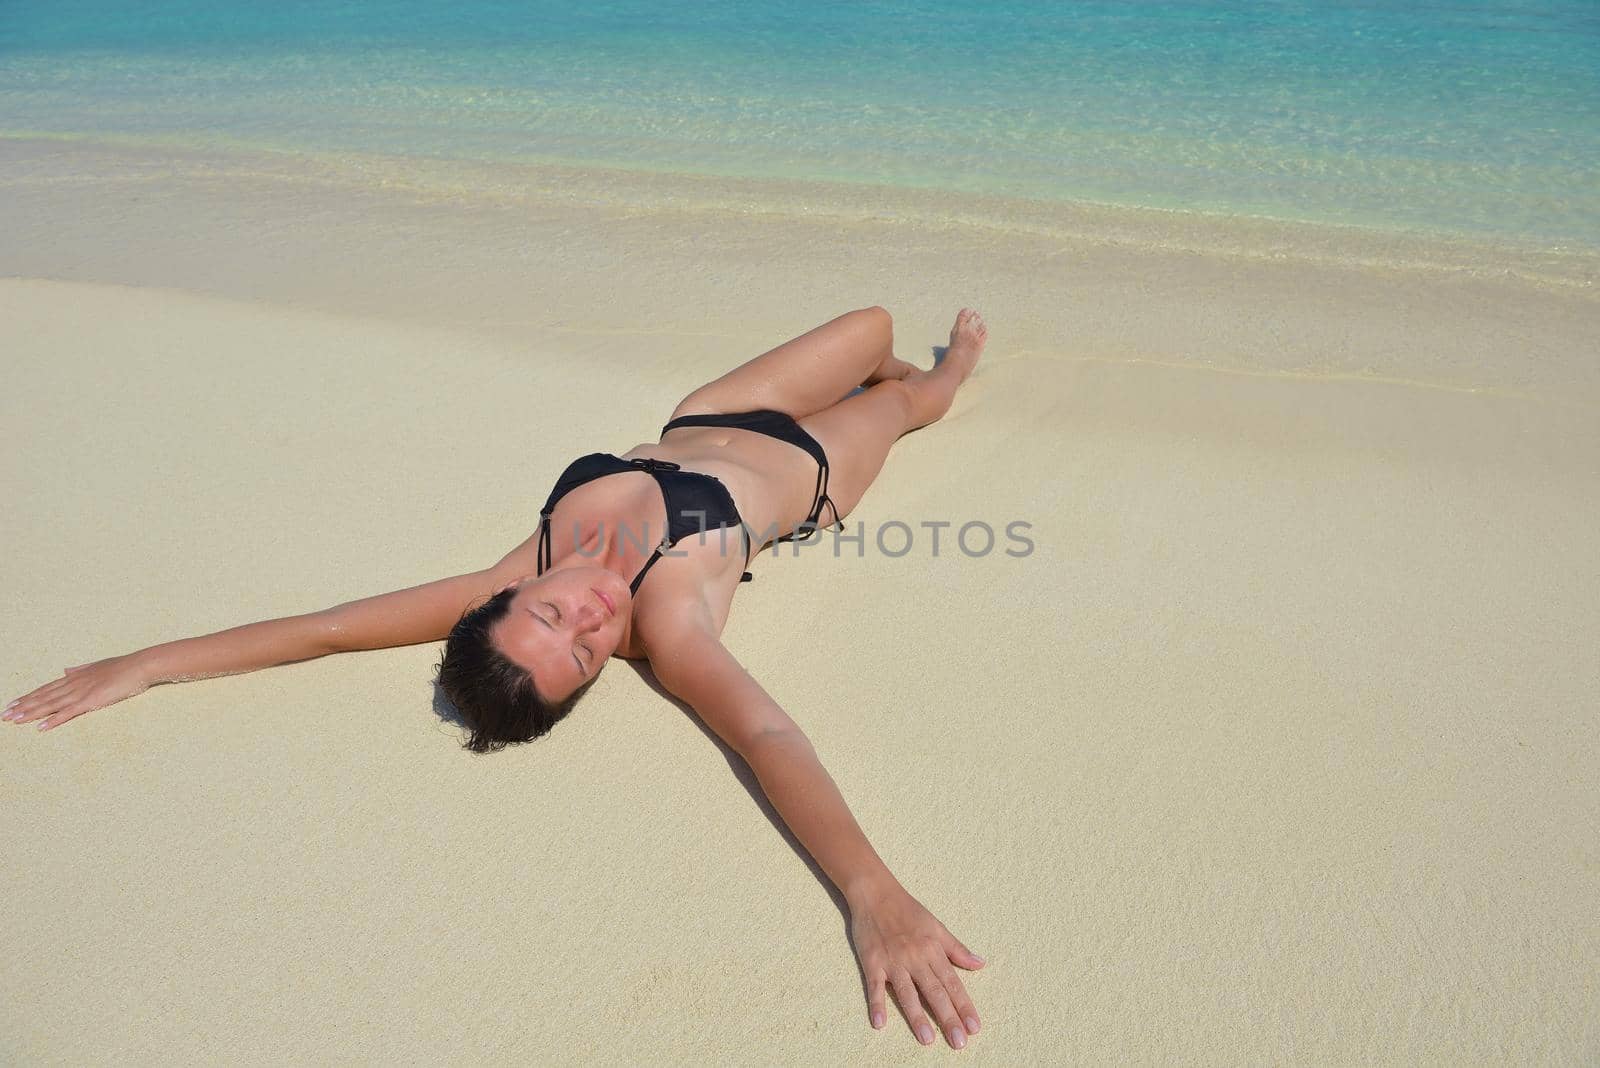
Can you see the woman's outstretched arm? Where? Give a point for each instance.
(897, 940)
(405, 617)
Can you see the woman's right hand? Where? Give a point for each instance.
(80, 689)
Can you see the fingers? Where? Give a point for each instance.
(938, 999)
(28, 702)
(44, 690)
(47, 703)
(960, 954)
(60, 716)
(875, 1000)
(944, 993)
(906, 985)
(41, 710)
(905, 992)
(906, 952)
(958, 996)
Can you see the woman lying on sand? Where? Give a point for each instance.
(779, 436)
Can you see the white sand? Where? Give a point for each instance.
(1281, 747)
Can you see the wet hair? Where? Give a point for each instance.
(494, 696)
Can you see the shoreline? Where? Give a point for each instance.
(543, 259)
(1223, 235)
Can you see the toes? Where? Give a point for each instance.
(970, 324)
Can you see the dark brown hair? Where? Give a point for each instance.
(494, 697)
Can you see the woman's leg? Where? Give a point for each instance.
(809, 373)
(858, 432)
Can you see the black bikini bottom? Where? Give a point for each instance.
(783, 427)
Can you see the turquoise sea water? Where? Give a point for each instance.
(1464, 116)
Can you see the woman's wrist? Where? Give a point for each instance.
(144, 662)
(865, 890)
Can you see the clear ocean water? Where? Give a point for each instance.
(1467, 116)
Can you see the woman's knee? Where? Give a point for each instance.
(876, 318)
(877, 311)
(700, 402)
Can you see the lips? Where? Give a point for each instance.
(611, 607)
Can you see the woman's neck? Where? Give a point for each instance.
(618, 546)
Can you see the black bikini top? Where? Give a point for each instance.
(695, 502)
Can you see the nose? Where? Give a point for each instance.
(589, 616)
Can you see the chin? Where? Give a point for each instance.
(615, 588)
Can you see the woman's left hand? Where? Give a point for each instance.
(902, 944)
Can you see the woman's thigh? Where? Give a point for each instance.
(857, 434)
(804, 375)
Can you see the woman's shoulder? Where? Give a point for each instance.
(667, 615)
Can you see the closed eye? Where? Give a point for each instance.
(582, 671)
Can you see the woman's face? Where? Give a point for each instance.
(563, 625)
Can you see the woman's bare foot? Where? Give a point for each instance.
(967, 339)
(933, 391)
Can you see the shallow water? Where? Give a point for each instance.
(1460, 117)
